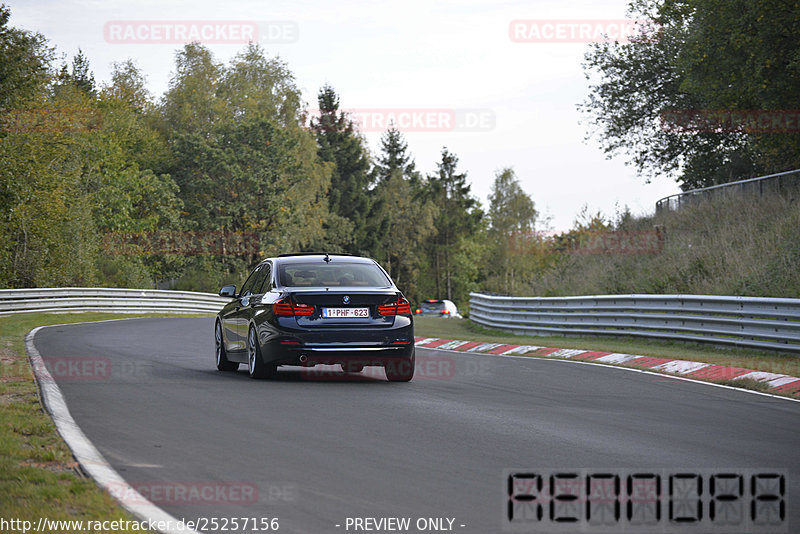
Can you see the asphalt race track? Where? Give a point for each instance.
(313, 449)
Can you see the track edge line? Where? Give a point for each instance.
(88, 457)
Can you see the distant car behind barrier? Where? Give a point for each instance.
(438, 308)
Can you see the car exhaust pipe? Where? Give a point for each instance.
(303, 358)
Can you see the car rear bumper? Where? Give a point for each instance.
(336, 345)
(310, 355)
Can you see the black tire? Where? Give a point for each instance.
(255, 363)
(223, 364)
(352, 367)
(401, 370)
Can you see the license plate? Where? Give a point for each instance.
(345, 312)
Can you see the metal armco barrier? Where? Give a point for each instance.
(765, 323)
(83, 299)
(781, 183)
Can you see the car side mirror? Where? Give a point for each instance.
(228, 291)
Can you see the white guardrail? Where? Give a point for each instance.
(84, 299)
(764, 323)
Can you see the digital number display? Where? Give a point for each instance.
(644, 500)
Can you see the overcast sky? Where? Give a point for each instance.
(495, 102)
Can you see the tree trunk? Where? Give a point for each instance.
(447, 274)
(436, 273)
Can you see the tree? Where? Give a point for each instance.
(743, 55)
(120, 177)
(86, 160)
(351, 224)
(394, 157)
(25, 59)
(191, 103)
(512, 216)
(409, 222)
(128, 85)
(510, 208)
(253, 176)
(255, 85)
(46, 235)
(78, 77)
(393, 161)
(459, 217)
(81, 76)
(130, 110)
(651, 98)
(244, 163)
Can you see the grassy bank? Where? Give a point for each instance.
(463, 329)
(729, 246)
(38, 475)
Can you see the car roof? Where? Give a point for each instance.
(305, 257)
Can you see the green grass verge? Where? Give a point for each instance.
(773, 362)
(38, 474)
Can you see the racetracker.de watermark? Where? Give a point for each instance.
(81, 369)
(616, 242)
(181, 243)
(195, 493)
(50, 120)
(200, 31)
(578, 31)
(589, 242)
(754, 121)
(417, 119)
(434, 367)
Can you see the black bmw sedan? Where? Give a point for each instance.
(309, 309)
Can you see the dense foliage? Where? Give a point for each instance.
(707, 93)
(107, 184)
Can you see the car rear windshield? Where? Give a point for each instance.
(433, 306)
(332, 275)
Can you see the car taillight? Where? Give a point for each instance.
(288, 308)
(445, 312)
(398, 307)
(282, 307)
(418, 311)
(302, 309)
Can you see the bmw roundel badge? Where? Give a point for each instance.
(346, 299)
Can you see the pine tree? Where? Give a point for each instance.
(81, 76)
(459, 217)
(339, 143)
(394, 157)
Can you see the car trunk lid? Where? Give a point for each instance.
(342, 308)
